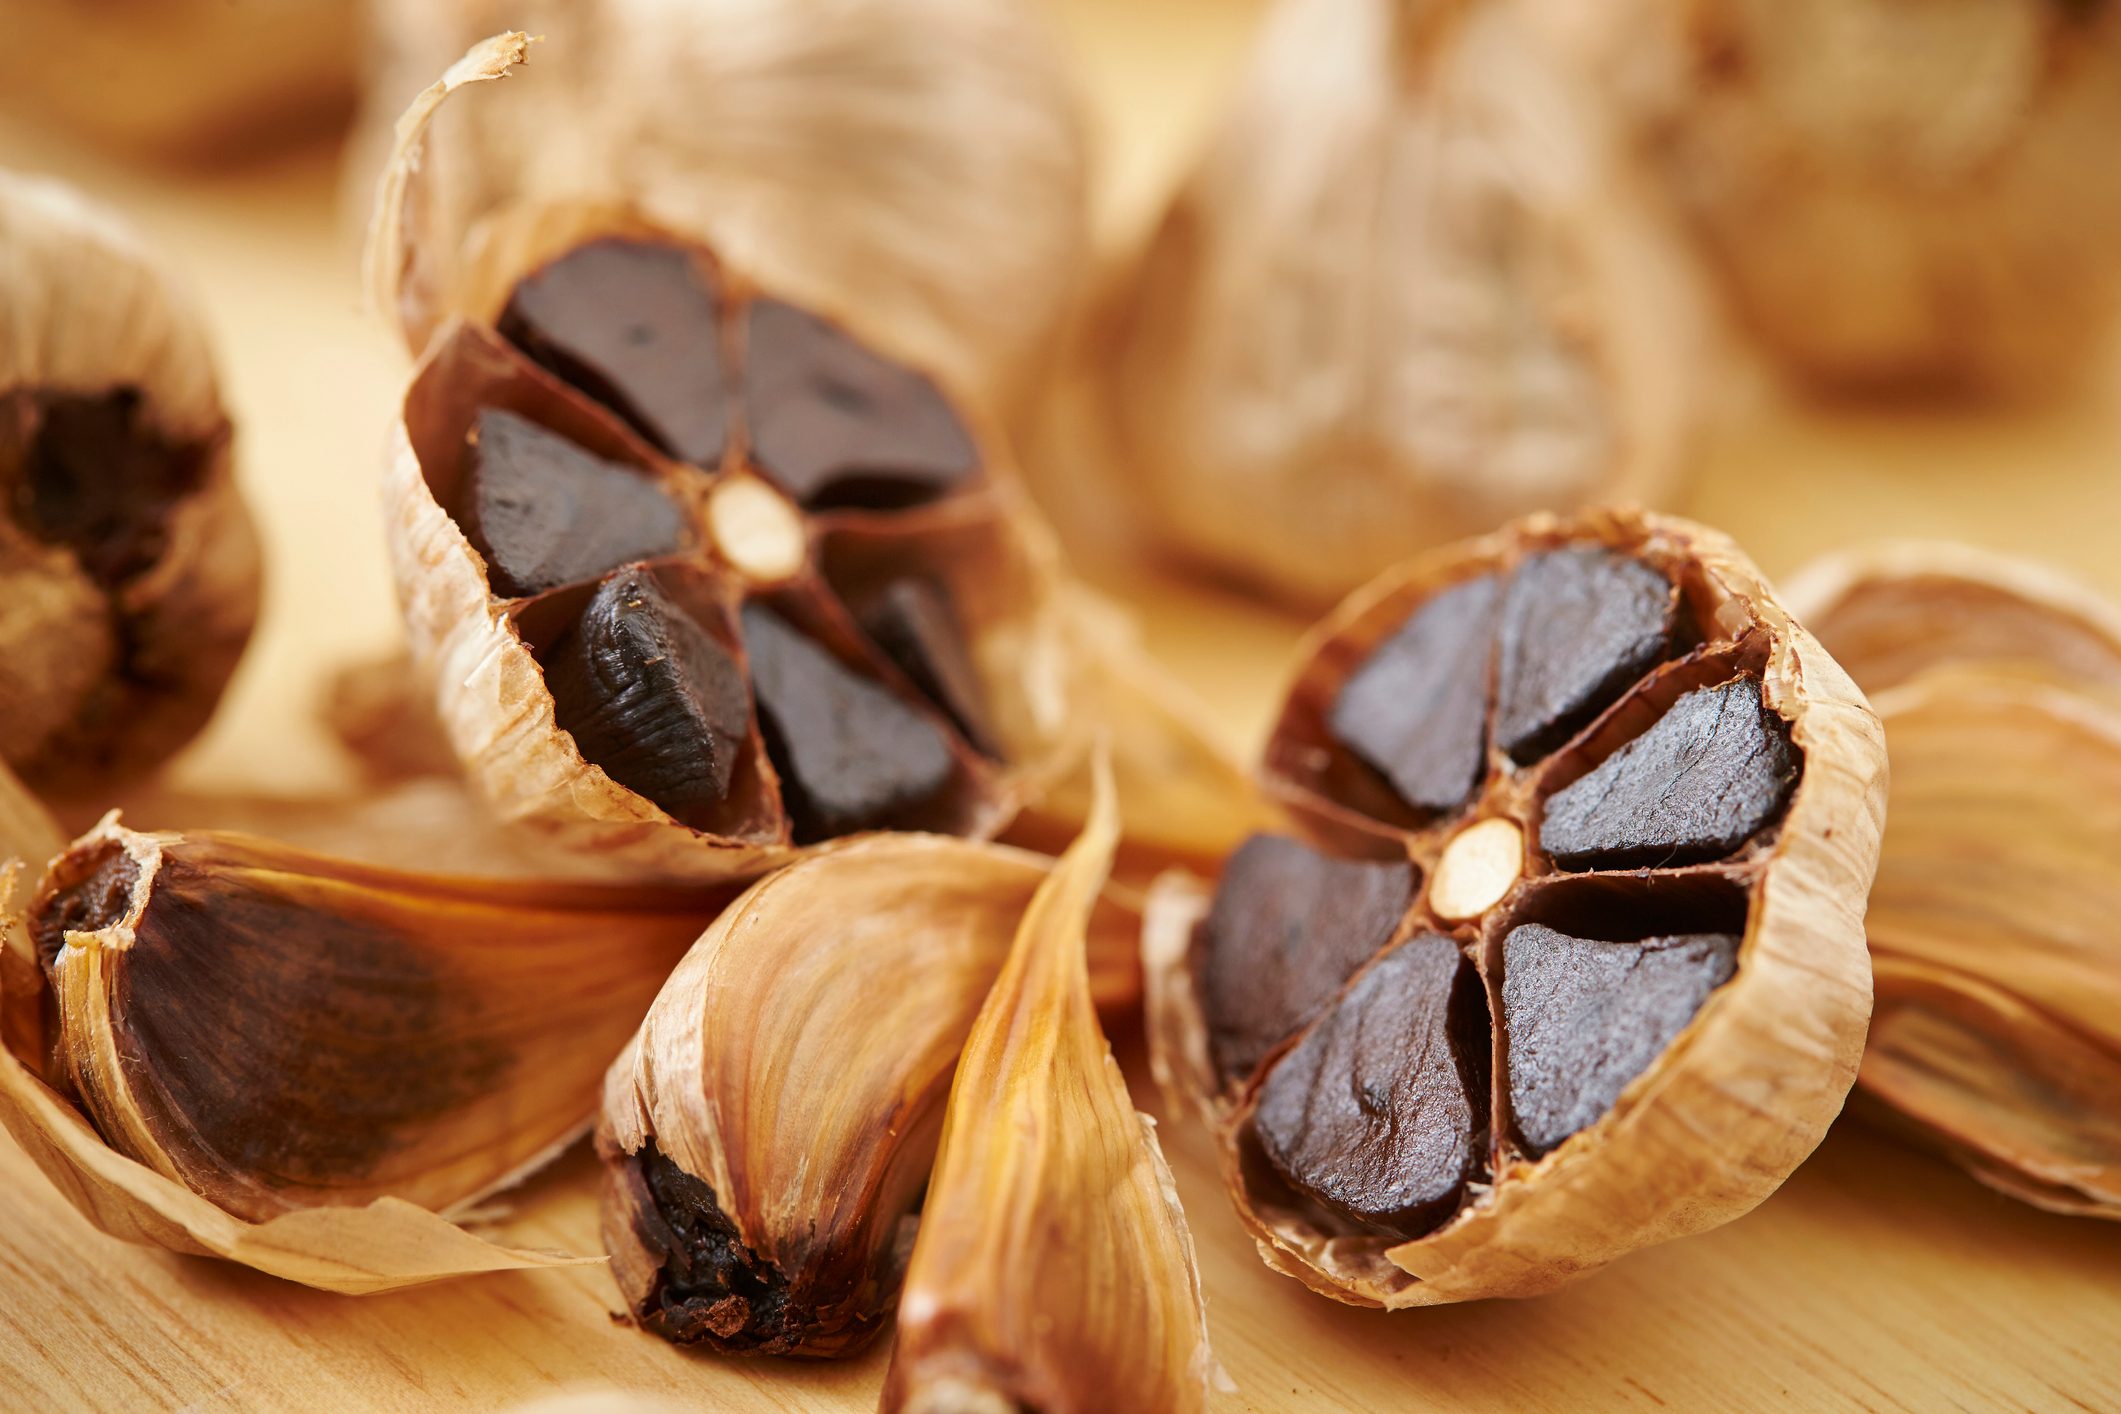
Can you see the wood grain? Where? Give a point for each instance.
(1878, 1279)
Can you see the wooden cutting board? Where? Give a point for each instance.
(1877, 1279)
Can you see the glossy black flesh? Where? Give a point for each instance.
(711, 1289)
(851, 756)
(1713, 772)
(1288, 927)
(651, 697)
(1416, 710)
(914, 623)
(1579, 627)
(836, 425)
(1379, 1114)
(87, 472)
(1582, 1018)
(543, 512)
(635, 325)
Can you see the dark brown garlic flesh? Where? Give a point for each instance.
(1591, 823)
(729, 548)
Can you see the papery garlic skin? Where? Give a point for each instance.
(1897, 196)
(1412, 290)
(910, 166)
(182, 80)
(1053, 1267)
(1998, 1032)
(111, 669)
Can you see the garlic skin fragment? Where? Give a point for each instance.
(120, 622)
(1898, 197)
(1053, 1269)
(768, 1134)
(1998, 1028)
(307, 1065)
(1414, 289)
(912, 166)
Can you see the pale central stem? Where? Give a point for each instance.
(1478, 867)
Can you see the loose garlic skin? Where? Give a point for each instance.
(1412, 290)
(1693, 1141)
(1898, 197)
(915, 163)
(1998, 1029)
(87, 312)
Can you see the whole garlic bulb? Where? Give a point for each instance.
(183, 79)
(1897, 194)
(128, 564)
(1410, 292)
(918, 161)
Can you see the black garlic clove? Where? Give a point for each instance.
(914, 623)
(1578, 627)
(1416, 710)
(1288, 927)
(651, 697)
(543, 512)
(1583, 1018)
(1379, 1113)
(838, 426)
(634, 325)
(88, 473)
(851, 756)
(1711, 773)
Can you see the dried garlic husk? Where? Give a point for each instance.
(1412, 291)
(305, 1065)
(1594, 818)
(1998, 1027)
(767, 1136)
(916, 162)
(810, 601)
(181, 80)
(1053, 1269)
(1898, 195)
(128, 566)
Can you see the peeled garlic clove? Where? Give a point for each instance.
(1604, 954)
(299, 1063)
(1053, 1265)
(833, 479)
(1413, 289)
(183, 80)
(128, 565)
(917, 162)
(767, 1136)
(1895, 195)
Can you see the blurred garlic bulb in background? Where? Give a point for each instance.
(181, 79)
(1899, 194)
(916, 161)
(1410, 292)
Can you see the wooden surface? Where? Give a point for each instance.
(1877, 1279)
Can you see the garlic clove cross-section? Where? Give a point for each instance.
(618, 439)
(307, 1065)
(1053, 1266)
(1997, 1035)
(767, 1136)
(1603, 855)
